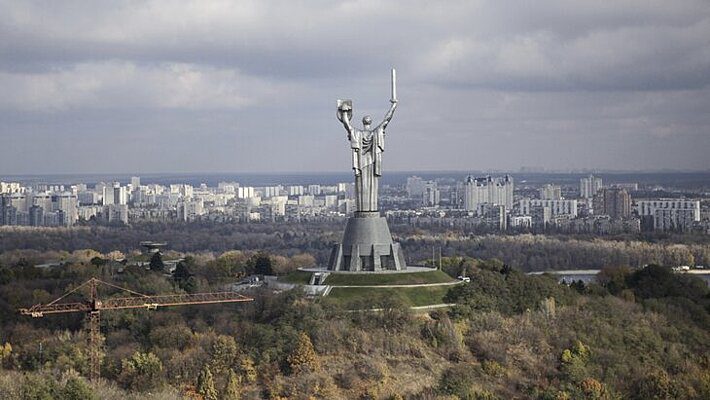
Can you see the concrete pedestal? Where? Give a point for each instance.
(367, 246)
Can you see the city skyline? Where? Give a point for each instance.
(210, 88)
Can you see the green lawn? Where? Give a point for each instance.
(388, 279)
(416, 296)
(299, 277)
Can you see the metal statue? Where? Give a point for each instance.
(367, 146)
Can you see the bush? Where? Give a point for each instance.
(461, 381)
(77, 389)
(142, 371)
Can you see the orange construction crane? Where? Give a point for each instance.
(94, 305)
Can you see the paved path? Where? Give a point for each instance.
(433, 306)
(416, 308)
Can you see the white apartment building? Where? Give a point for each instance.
(669, 214)
(489, 190)
(557, 207)
(589, 186)
(551, 192)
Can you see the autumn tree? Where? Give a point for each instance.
(205, 384)
(233, 389)
(247, 369)
(224, 352)
(303, 355)
(5, 354)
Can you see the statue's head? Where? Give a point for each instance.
(367, 121)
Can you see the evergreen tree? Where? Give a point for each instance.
(205, 385)
(156, 262)
(184, 277)
(261, 263)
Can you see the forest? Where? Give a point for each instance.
(640, 333)
(525, 252)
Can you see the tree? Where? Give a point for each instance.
(574, 361)
(156, 262)
(184, 277)
(98, 261)
(655, 385)
(260, 263)
(655, 282)
(224, 353)
(77, 389)
(38, 387)
(141, 371)
(233, 389)
(614, 278)
(205, 384)
(115, 255)
(247, 369)
(303, 355)
(461, 381)
(5, 354)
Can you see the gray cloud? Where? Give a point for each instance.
(230, 86)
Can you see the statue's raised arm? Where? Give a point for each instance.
(345, 114)
(393, 101)
(388, 116)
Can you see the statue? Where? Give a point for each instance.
(367, 243)
(367, 146)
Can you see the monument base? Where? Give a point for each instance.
(367, 246)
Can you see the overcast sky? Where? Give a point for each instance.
(202, 86)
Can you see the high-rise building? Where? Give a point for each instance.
(551, 192)
(245, 192)
(498, 191)
(669, 214)
(185, 191)
(116, 213)
(628, 186)
(415, 187)
(120, 195)
(613, 202)
(8, 215)
(271, 191)
(589, 186)
(493, 215)
(36, 216)
(17, 200)
(67, 203)
(87, 197)
(306, 200)
(314, 190)
(556, 207)
(431, 195)
(106, 194)
(295, 190)
(190, 209)
(42, 199)
(136, 182)
(10, 187)
(227, 187)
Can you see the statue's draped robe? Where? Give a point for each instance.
(367, 147)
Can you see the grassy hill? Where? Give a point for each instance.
(388, 279)
(415, 296)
